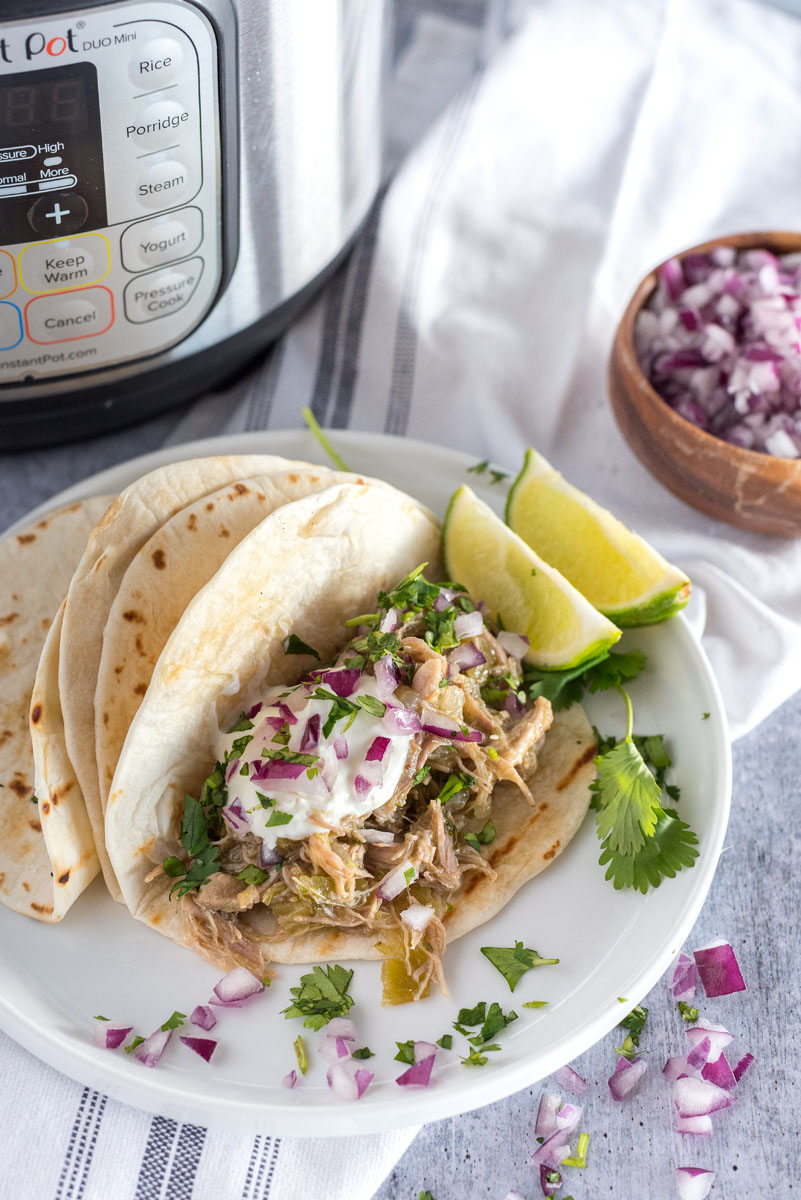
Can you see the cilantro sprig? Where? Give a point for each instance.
(322, 995)
(563, 688)
(642, 841)
(514, 962)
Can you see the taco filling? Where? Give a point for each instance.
(360, 799)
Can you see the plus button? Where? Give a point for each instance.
(57, 213)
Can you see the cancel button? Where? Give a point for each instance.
(160, 293)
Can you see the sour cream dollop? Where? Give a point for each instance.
(272, 797)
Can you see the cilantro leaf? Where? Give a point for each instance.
(474, 1059)
(241, 724)
(688, 1013)
(478, 468)
(564, 688)
(446, 1041)
(136, 1041)
(514, 962)
(252, 875)
(207, 863)
(628, 797)
(293, 645)
(405, 1052)
(364, 1052)
(472, 1016)
(453, 785)
(671, 847)
(174, 867)
(635, 1022)
(194, 827)
(277, 817)
(322, 995)
(174, 1022)
(372, 704)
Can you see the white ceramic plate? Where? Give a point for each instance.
(53, 979)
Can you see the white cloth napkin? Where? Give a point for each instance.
(477, 312)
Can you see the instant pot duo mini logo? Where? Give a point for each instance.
(36, 44)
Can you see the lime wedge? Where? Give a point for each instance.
(617, 571)
(527, 594)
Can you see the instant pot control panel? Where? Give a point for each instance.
(110, 219)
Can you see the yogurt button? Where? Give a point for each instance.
(163, 184)
(158, 125)
(155, 64)
(69, 315)
(162, 240)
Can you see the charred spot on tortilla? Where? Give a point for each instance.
(45, 624)
(159, 560)
(293, 477)
(140, 649)
(7, 620)
(224, 533)
(240, 489)
(25, 539)
(36, 713)
(35, 826)
(549, 854)
(132, 615)
(5, 736)
(41, 908)
(210, 506)
(26, 886)
(18, 784)
(191, 522)
(64, 877)
(588, 754)
(45, 807)
(140, 689)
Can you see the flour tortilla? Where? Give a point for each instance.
(132, 519)
(329, 554)
(172, 566)
(36, 564)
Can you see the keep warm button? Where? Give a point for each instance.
(160, 293)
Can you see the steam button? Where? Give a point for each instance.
(163, 184)
(155, 64)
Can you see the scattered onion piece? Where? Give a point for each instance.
(720, 1073)
(419, 1074)
(347, 1080)
(699, 1097)
(695, 1125)
(566, 1077)
(718, 1037)
(552, 1150)
(468, 625)
(466, 656)
(546, 1114)
(719, 970)
(311, 735)
(625, 1077)
(341, 746)
(390, 620)
(694, 1182)
(341, 681)
(149, 1051)
(549, 1186)
(109, 1037)
(378, 837)
(745, 1062)
(203, 1017)
(417, 917)
(395, 881)
(514, 644)
(685, 978)
(236, 987)
(675, 1067)
(442, 726)
(205, 1047)
(387, 677)
(699, 1054)
(402, 722)
(290, 1080)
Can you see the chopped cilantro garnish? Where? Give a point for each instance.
(277, 817)
(405, 1052)
(174, 867)
(514, 962)
(376, 645)
(136, 1041)
(446, 1041)
(478, 468)
(205, 857)
(100, 1018)
(635, 1022)
(422, 774)
(473, 842)
(472, 1016)
(364, 1052)
(206, 863)
(245, 769)
(241, 724)
(252, 875)
(34, 799)
(265, 801)
(535, 1003)
(322, 995)
(688, 1013)
(372, 705)
(174, 1022)
(497, 476)
(455, 784)
(293, 645)
(640, 839)
(238, 747)
(492, 753)
(409, 876)
(340, 708)
(473, 1059)
(488, 834)
(425, 1196)
(194, 827)
(628, 1050)
(300, 1054)
(705, 717)
(290, 756)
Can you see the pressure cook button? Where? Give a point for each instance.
(58, 212)
(161, 240)
(155, 64)
(163, 184)
(162, 292)
(64, 263)
(159, 125)
(69, 315)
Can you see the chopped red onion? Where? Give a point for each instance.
(342, 681)
(341, 746)
(377, 749)
(419, 1074)
(625, 1078)
(401, 721)
(742, 1066)
(287, 712)
(378, 837)
(311, 735)
(694, 1182)
(695, 1125)
(424, 1050)
(390, 620)
(566, 1077)
(719, 1038)
(341, 1027)
(268, 856)
(387, 677)
(698, 1097)
(468, 625)
(437, 723)
(371, 775)
(550, 1186)
(203, 1017)
(513, 705)
(552, 1150)
(514, 644)
(466, 656)
(290, 1080)
(269, 769)
(720, 1073)
(235, 817)
(150, 1051)
(396, 881)
(236, 987)
(719, 970)
(721, 345)
(332, 1049)
(446, 597)
(205, 1047)
(568, 1117)
(676, 1067)
(108, 1036)
(347, 1080)
(546, 1114)
(699, 1054)
(254, 711)
(685, 978)
(284, 776)
(417, 916)
(231, 769)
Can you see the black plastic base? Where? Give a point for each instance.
(48, 421)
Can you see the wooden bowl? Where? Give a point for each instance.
(744, 487)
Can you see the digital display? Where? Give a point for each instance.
(59, 105)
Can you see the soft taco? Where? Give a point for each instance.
(329, 763)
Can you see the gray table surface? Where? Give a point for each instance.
(754, 902)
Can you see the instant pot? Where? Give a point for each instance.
(176, 180)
